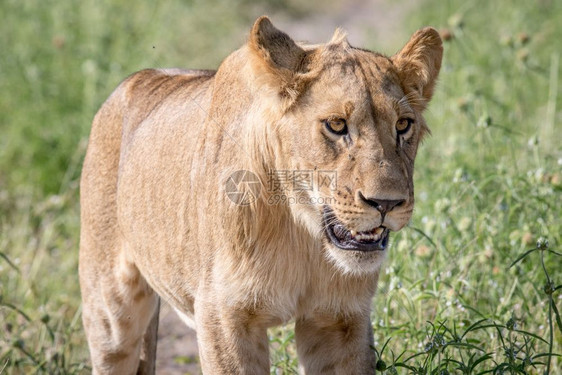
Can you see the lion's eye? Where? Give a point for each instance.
(403, 125)
(336, 126)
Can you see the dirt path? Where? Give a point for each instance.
(375, 24)
(177, 345)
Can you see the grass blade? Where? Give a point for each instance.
(521, 257)
(10, 263)
(557, 315)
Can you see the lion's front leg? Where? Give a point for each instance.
(231, 341)
(330, 344)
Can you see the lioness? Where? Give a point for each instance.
(159, 217)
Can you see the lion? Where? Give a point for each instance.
(320, 140)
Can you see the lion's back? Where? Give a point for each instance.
(140, 130)
(150, 90)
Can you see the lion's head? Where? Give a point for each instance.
(352, 117)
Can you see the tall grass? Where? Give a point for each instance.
(471, 286)
(488, 186)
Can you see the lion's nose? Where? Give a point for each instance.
(382, 205)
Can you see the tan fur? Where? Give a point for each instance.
(156, 219)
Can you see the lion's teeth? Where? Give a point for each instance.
(367, 237)
(353, 233)
(379, 230)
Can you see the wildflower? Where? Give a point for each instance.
(549, 288)
(527, 238)
(523, 38)
(511, 324)
(446, 34)
(484, 121)
(423, 251)
(542, 243)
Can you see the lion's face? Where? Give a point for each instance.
(359, 119)
(355, 121)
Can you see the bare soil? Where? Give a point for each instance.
(177, 345)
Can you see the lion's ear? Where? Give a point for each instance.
(275, 58)
(419, 62)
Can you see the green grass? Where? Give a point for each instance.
(488, 181)
(488, 188)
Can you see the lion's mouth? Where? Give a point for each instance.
(375, 239)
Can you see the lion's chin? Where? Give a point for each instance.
(356, 263)
(351, 252)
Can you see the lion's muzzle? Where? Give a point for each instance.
(375, 239)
